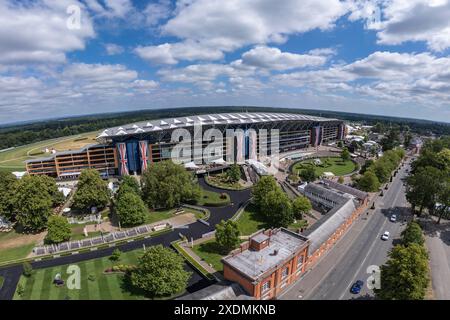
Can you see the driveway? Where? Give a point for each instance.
(195, 230)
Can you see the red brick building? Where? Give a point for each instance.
(267, 263)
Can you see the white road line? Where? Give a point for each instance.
(370, 249)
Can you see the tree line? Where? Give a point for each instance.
(17, 135)
(428, 185)
(405, 275)
(376, 172)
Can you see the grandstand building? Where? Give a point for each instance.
(130, 148)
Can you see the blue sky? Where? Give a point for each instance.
(89, 56)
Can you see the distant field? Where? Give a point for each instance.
(13, 160)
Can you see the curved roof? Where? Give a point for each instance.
(208, 119)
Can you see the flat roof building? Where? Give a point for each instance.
(267, 263)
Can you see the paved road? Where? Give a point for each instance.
(367, 249)
(360, 247)
(195, 230)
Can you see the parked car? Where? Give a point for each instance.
(385, 235)
(356, 287)
(393, 218)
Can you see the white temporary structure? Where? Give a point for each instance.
(191, 165)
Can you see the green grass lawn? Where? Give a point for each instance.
(251, 221)
(78, 234)
(210, 198)
(219, 180)
(209, 251)
(16, 252)
(336, 166)
(105, 287)
(159, 215)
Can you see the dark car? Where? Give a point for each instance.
(356, 287)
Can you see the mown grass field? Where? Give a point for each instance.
(13, 160)
(95, 285)
(335, 165)
(214, 199)
(209, 251)
(251, 221)
(15, 253)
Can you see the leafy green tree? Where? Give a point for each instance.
(262, 188)
(443, 199)
(340, 144)
(368, 182)
(160, 272)
(115, 256)
(405, 274)
(341, 180)
(233, 174)
(8, 184)
(58, 230)
(49, 184)
(92, 191)
(130, 209)
(412, 234)
(32, 203)
(366, 166)
(227, 235)
(308, 174)
(129, 184)
(277, 209)
(166, 185)
(423, 187)
(345, 155)
(27, 269)
(301, 206)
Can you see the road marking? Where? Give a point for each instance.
(370, 249)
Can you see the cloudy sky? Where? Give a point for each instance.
(64, 57)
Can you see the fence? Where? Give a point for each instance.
(103, 239)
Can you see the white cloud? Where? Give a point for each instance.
(113, 49)
(408, 20)
(171, 53)
(37, 32)
(274, 59)
(157, 11)
(399, 77)
(209, 27)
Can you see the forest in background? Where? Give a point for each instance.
(21, 134)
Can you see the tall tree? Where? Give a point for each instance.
(405, 274)
(234, 173)
(33, 203)
(58, 230)
(166, 185)
(412, 234)
(130, 209)
(345, 155)
(308, 174)
(262, 188)
(129, 184)
(8, 184)
(49, 184)
(92, 191)
(301, 206)
(227, 235)
(368, 182)
(424, 186)
(160, 272)
(277, 208)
